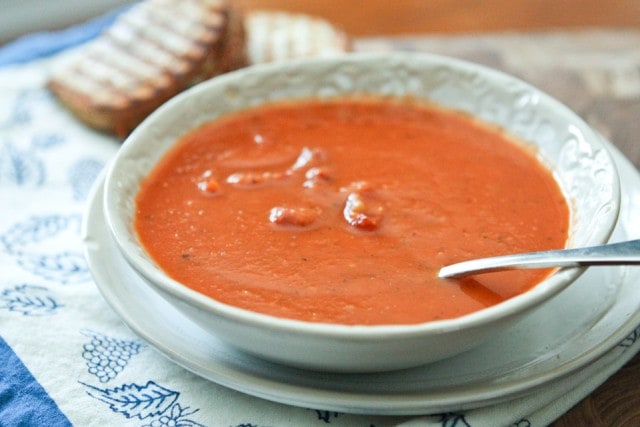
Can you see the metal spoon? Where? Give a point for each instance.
(623, 253)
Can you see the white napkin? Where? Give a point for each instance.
(92, 369)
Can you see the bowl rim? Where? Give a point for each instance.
(508, 308)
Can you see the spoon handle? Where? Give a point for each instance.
(623, 253)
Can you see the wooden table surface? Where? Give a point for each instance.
(374, 17)
(597, 74)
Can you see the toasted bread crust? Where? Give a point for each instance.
(234, 50)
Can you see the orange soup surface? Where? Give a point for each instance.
(343, 211)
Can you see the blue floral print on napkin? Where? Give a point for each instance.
(151, 402)
(82, 175)
(37, 245)
(19, 167)
(631, 339)
(107, 356)
(29, 300)
(451, 419)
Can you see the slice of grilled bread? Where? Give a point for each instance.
(276, 36)
(153, 51)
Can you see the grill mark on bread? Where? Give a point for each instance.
(93, 91)
(147, 28)
(129, 64)
(193, 10)
(116, 76)
(276, 36)
(189, 26)
(147, 51)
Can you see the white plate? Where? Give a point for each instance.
(575, 328)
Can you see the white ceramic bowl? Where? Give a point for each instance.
(573, 151)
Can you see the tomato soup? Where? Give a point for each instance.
(343, 211)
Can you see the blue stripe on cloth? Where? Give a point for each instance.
(23, 401)
(40, 45)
